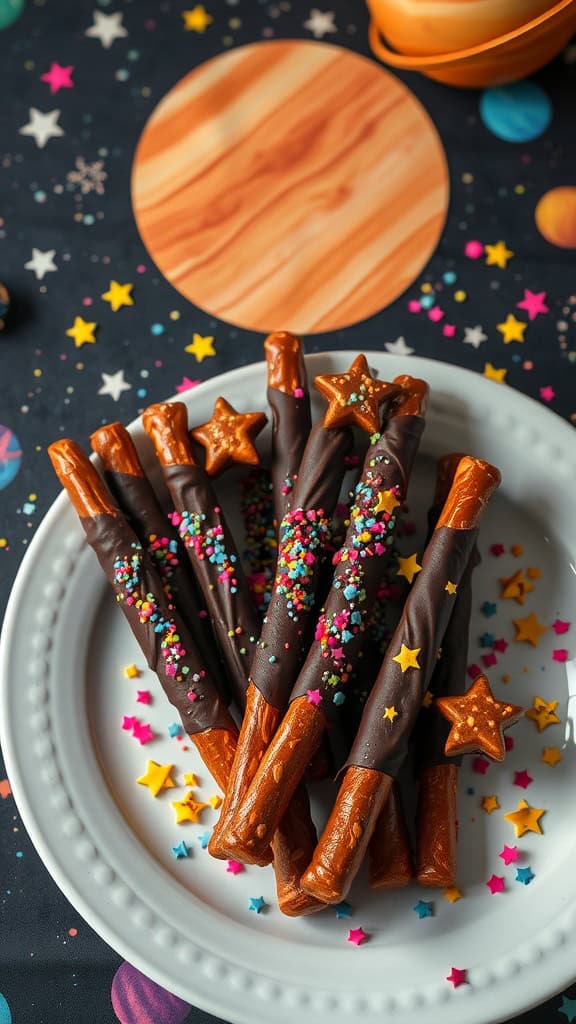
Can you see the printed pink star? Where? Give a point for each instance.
(143, 733)
(314, 697)
(185, 385)
(509, 854)
(58, 77)
(357, 936)
(547, 393)
(522, 779)
(234, 867)
(143, 696)
(560, 654)
(480, 765)
(128, 722)
(533, 303)
(457, 977)
(496, 884)
(560, 627)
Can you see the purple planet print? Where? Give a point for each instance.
(137, 1000)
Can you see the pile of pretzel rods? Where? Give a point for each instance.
(307, 673)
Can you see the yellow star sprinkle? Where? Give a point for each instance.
(197, 20)
(131, 672)
(452, 894)
(511, 329)
(494, 374)
(529, 629)
(215, 801)
(551, 756)
(157, 777)
(489, 804)
(188, 809)
(498, 255)
(543, 713)
(515, 587)
(451, 588)
(390, 713)
(387, 502)
(526, 818)
(118, 295)
(408, 658)
(82, 332)
(190, 779)
(200, 347)
(408, 567)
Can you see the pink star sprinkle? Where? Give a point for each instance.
(480, 765)
(143, 696)
(496, 884)
(497, 550)
(509, 854)
(474, 250)
(436, 314)
(357, 936)
(522, 779)
(489, 660)
(547, 393)
(58, 77)
(560, 654)
(457, 977)
(143, 733)
(128, 722)
(185, 385)
(314, 696)
(500, 645)
(234, 867)
(473, 671)
(560, 627)
(449, 330)
(533, 303)
(508, 743)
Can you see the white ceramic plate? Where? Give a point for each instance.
(186, 923)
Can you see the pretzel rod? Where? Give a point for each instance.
(135, 496)
(208, 540)
(289, 399)
(391, 710)
(162, 635)
(389, 855)
(340, 633)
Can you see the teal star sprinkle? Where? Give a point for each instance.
(524, 875)
(424, 908)
(180, 851)
(256, 903)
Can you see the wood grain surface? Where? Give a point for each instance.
(290, 185)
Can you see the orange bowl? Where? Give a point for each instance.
(507, 57)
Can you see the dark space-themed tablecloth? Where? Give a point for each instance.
(78, 82)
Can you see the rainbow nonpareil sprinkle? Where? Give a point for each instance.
(207, 543)
(303, 535)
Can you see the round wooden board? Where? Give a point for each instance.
(290, 185)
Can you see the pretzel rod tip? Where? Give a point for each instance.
(166, 424)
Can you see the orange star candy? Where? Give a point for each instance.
(515, 587)
(228, 437)
(551, 756)
(354, 396)
(526, 818)
(543, 713)
(478, 721)
(529, 629)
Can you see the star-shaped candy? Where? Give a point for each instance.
(42, 263)
(82, 331)
(509, 854)
(180, 851)
(234, 867)
(118, 295)
(107, 28)
(407, 657)
(524, 875)
(201, 347)
(320, 23)
(256, 904)
(390, 713)
(525, 819)
(498, 255)
(568, 1008)
(408, 567)
(529, 629)
(357, 936)
(522, 779)
(515, 588)
(452, 894)
(551, 756)
(457, 977)
(451, 588)
(143, 733)
(343, 910)
(58, 77)
(533, 303)
(157, 777)
(42, 127)
(478, 721)
(424, 908)
(543, 713)
(474, 336)
(128, 722)
(228, 437)
(114, 384)
(511, 329)
(143, 697)
(489, 804)
(314, 697)
(188, 809)
(496, 884)
(354, 396)
(398, 347)
(197, 19)
(387, 502)
(495, 374)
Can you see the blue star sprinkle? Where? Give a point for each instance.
(174, 730)
(488, 609)
(180, 851)
(343, 910)
(256, 903)
(424, 908)
(204, 839)
(524, 875)
(487, 640)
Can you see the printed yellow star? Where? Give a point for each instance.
(551, 756)
(118, 295)
(188, 809)
(489, 804)
(200, 347)
(157, 777)
(390, 713)
(511, 329)
(82, 332)
(197, 20)
(407, 658)
(543, 713)
(529, 629)
(131, 672)
(451, 588)
(526, 818)
(498, 255)
(387, 502)
(492, 373)
(215, 801)
(408, 567)
(452, 894)
(190, 779)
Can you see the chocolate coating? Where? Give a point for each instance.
(291, 424)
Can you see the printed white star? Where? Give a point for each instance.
(107, 28)
(320, 22)
(398, 347)
(41, 263)
(474, 336)
(42, 126)
(114, 384)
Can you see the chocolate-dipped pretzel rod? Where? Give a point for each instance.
(340, 633)
(133, 493)
(162, 634)
(208, 540)
(280, 650)
(289, 400)
(382, 739)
